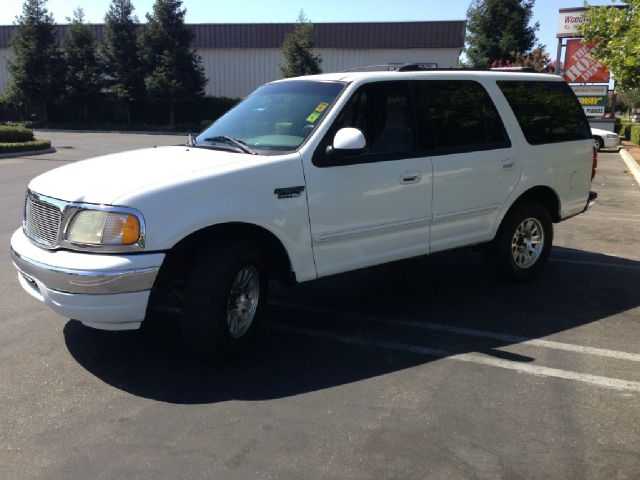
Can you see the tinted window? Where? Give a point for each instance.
(455, 116)
(381, 112)
(547, 112)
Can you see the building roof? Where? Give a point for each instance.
(441, 34)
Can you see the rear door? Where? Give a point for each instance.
(475, 166)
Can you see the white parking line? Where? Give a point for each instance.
(504, 337)
(606, 215)
(593, 217)
(596, 264)
(604, 382)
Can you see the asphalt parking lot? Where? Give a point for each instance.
(419, 369)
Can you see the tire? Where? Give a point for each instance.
(599, 143)
(221, 313)
(512, 256)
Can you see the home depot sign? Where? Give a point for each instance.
(580, 66)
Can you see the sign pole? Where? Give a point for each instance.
(558, 57)
(613, 100)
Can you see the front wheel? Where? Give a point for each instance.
(223, 299)
(522, 245)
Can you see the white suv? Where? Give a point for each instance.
(308, 177)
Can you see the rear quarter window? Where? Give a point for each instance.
(547, 112)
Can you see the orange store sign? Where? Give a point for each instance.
(580, 66)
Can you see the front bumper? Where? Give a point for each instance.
(103, 291)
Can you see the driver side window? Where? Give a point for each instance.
(381, 111)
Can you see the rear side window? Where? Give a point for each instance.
(548, 112)
(456, 116)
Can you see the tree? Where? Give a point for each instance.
(499, 30)
(618, 33)
(83, 77)
(173, 70)
(36, 67)
(297, 49)
(125, 78)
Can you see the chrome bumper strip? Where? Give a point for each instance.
(85, 281)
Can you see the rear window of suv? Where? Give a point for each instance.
(548, 112)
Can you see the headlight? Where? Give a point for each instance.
(612, 135)
(97, 227)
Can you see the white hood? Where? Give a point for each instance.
(103, 179)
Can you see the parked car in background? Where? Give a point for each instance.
(605, 139)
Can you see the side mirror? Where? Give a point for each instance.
(348, 141)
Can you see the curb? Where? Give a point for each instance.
(27, 153)
(632, 165)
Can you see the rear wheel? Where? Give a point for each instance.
(223, 299)
(522, 245)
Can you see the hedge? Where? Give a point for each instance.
(15, 134)
(24, 146)
(629, 131)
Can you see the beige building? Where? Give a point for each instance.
(239, 57)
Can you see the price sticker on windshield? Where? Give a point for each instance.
(321, 107)
(313, 117)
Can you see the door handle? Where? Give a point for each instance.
(410, 177)
(507, 164)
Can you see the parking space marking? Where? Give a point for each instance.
(504, 337)
(605, 215)
(604, 382)
(595, 264)
(593, 217)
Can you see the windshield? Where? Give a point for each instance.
(276, 117)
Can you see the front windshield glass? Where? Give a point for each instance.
(276, 117)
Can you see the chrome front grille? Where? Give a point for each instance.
(42, 221)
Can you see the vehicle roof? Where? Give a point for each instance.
(432, 74)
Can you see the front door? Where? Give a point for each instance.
(374, 207)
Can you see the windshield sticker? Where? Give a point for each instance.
(313, 117)
(321, 107)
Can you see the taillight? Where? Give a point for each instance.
(594, 165)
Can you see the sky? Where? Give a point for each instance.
(244, 11)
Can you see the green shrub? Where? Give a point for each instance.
(24, 146)
(634, 134)
(624, 129)
(14, 134)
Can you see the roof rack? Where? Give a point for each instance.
(513, 69)
(395, 67)
(390, 67)
(421, 67)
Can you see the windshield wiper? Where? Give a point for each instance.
(233, 141)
